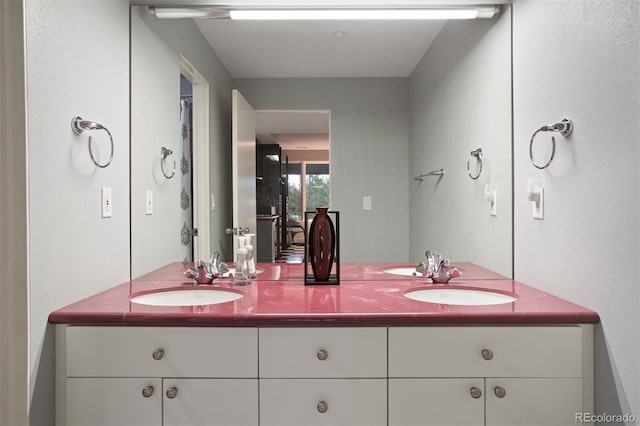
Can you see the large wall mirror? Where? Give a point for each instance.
(405, 99)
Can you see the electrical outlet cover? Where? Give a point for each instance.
(367, 203)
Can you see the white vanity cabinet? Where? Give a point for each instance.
(156, 376)
(323, 376)
(307, 376)
(489, 375)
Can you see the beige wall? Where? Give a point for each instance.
(14, 285)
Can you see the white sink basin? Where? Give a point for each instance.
(459, 296)
(407, 272)
(232, 271)
(184, 297)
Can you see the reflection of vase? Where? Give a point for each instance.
(321, 300)
(322, 244)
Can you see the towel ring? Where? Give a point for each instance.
(478, 154)
(78, 125)
(565, 127)
(164, 153)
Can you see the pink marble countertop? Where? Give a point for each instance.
(366, 296)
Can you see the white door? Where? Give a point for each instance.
(436, 402)
(243, 148)
(533, 401)
(210, 402)
(92, 401)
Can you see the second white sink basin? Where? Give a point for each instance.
(459, 296)
(232, 271)
(186, 297)
(407, 272)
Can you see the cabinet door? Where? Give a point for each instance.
(113, 402)
(315, 402)
(533, 402)
(210, 402)
(436, 402)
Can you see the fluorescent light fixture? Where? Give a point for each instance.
(326, 14)
(188, 12)
(365, 14)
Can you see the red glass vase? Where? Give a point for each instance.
(322, 245)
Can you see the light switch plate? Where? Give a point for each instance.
(107, 202)
(538, 207)
(148, 202)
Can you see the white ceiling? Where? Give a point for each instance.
(294, 130)
(299, 49)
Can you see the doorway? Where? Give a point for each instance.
(186, 176)
(198, 168)
(309, 185)
(304, 138)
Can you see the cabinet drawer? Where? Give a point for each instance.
(323, 352)
(310, 402)
(186, 352)
(485, 351)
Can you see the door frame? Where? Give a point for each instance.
(200, 155)
(15, 360)
(243, 147)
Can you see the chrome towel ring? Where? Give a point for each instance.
(478, 154)
(565, 127)
(164, 153)
(78, 125)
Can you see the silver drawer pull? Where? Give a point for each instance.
(172, 392)
(475, 392)
(487, 354)
(322, 354)
(147, 391)
(500, 391)
(158, 354)
(323, 407)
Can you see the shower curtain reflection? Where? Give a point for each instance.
(186, 192)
